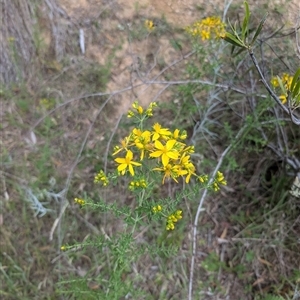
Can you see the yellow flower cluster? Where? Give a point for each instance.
(208, 28)
(137, 184)
(156, 209)
(101, 177)
(139, 109)
(171, 153)
(286, 80)
(172, 219)
(219, 180)
(79, 201)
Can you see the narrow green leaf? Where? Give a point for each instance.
(239, 52)
(230, 38)
(259, 28)
(296, 90)
(247, 11)
(232, 49)
(245, 21)
(282, 87)
(295, 79)
(297, 101)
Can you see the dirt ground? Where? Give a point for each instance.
(132, 54)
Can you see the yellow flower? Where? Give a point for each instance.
(188, 166)
(124, 145)
(166, 151)
(130, 114)
(139, 184)
(211, 27)
(149, 25)
(285, 77)
(79, 201)
(101, 177)
(127, 162)
(170, 225)
(283, 99)
(205, 35)
(178, 214)
(137, 107)
(172, 219)
(203, 178)
(160, 132)
(170, 172)
(149, 111)
(142, 142)
(176, 135)
(274, 82)
(219, 180)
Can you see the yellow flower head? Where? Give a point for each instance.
(219, 180)
(101, 177)
(149, 111)
(159, 132)
(156, 209)
(172, 219)
(138, 184)
(283, 99)
(169, 172)
(211, 27)
(137, 107)
(177, 135)
(166, 152)
(142, 141)
(124, 144)
(79, 201)
(127, 163)
(149, 25)
(274, 82)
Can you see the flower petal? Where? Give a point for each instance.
(120, 160)
(122, 167)
(131, 171)
(156, 153)
(165, 159)
(159, 145)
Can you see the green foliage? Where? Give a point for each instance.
(96, 77)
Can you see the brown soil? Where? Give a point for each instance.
(127, 69)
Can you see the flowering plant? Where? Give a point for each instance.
(155, 155)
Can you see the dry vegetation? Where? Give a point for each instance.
(61, 113)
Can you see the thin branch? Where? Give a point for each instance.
(200, 208)
(65, 202)
(271, 92)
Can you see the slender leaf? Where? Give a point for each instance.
(295, 79)
(282, 87)
(296, 90)
(259, 28)
(297, 101)
(239, 52)
(230, 38)
(245, 21)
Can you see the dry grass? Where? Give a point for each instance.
(248, 238)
